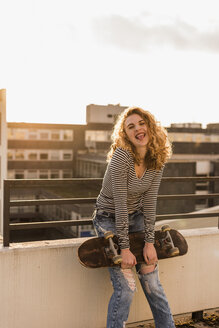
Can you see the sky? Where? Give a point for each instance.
(58, 56)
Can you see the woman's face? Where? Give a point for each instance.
(136, 130)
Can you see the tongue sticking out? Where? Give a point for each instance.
(140, 136)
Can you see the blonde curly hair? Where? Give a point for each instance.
(158, 148)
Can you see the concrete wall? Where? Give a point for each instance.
(103, 114)
(43, 285)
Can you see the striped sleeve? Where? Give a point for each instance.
(149, 206)
(119, 168)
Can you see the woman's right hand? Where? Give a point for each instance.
(128, 259)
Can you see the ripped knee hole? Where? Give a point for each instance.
(129, 276)
(147, 268)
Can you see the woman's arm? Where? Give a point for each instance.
(119, 168)
(149, 209)
(149, 203)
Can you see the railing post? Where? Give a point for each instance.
(6, 214)
(198, 315)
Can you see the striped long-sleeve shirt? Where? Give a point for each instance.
(123, 193)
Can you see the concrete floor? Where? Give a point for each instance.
(210, 319)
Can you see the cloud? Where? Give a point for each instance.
(135, 35)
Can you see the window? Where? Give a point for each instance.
(19, 154)
(98, 135)
(19, 174)
(32, 134)
(68, 135)
(67, 156)
(55, 135)
(10, 155)
(44, 156)
(54, 174)
(44, 174)
(44, 135)
(32, 174)
(10, 174)
(32, 156)
(55, 155)
(16, 133)
(20, 134)
(10, 133)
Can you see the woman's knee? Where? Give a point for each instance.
(150, 281)
(129, 278)
(144, 269)
(123, 281)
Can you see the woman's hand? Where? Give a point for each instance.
(150, 254)
(128, 259)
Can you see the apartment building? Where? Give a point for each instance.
(43, 151)
(192, 142)
(65, 151)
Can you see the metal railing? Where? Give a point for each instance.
(10, 184)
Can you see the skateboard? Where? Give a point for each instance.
(104, 251)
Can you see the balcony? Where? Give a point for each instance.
(43, 285)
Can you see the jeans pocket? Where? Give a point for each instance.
(97, 228)
(103, 224)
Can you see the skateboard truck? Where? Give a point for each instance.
(167, 241)
(117, 259)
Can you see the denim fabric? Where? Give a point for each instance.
(124, 285)
(157, 300)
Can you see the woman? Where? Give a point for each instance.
(127, 203)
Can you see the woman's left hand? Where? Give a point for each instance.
(150, 254)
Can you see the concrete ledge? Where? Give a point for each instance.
(43, 285)
(74, 242)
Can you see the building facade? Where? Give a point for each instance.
(43, 151)
(193, 143)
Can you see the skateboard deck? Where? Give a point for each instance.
(100, 252)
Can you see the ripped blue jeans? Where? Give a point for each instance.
(123, 280)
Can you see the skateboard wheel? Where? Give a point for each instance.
(173, 251)
(108, 234)
(165, 228)
(117, 259)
